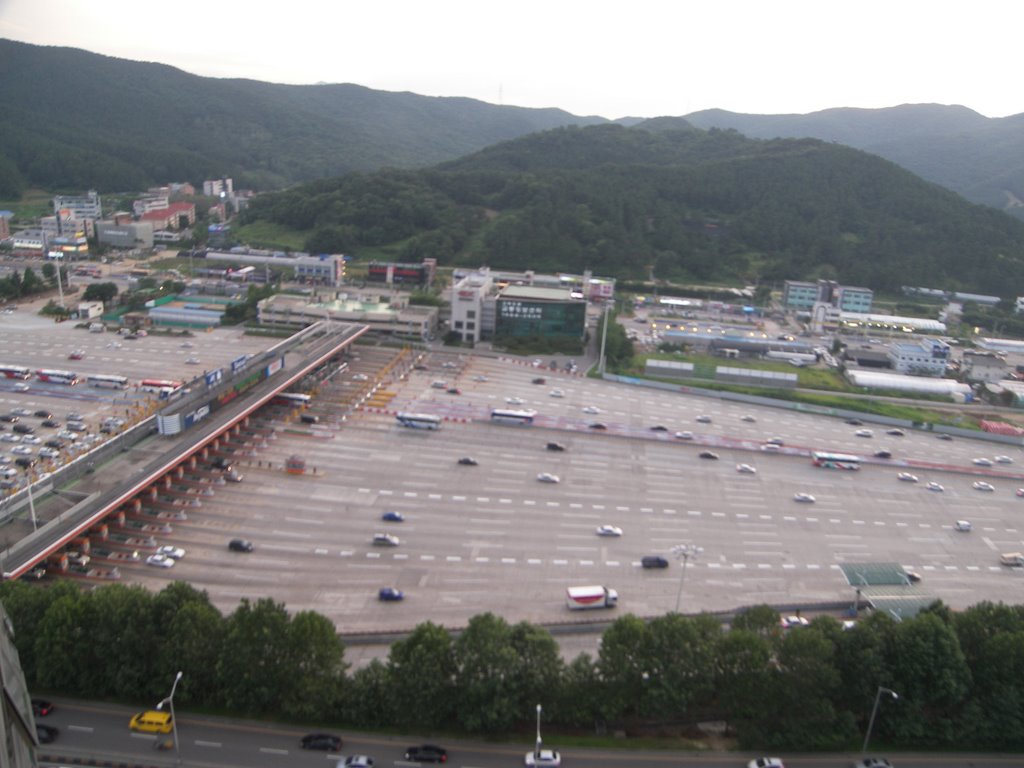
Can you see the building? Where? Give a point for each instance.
(219, 188)
(798, 295)
(982, 366)
(87, 206)
(172, 216)
(321, 269)
(29, 242)
(130, 235)
(470, 301)
(395, 317)
(524, 311)
(402, 274)
(17, 722)
(5, 224)
(151, 201)
(927, 357)
(868, 322)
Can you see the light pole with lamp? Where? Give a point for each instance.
(684, 552)
(174, 723)
(536, 749)
(874, 711)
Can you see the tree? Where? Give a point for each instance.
(104, 292)
(759, 619)
(624, 667)
(421, 675)
(366, 701)
(315, 667)
(253, 668)
(680, 663)
(540, 667)
(486, 665)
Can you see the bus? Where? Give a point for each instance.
(291, 398)
(166, 388)
(106, 382)
(503, 416)
(419, 420)
(835, 460)
(57, 377)
(15, 372)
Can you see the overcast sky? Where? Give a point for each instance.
(643, 58)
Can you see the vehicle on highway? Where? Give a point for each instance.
(703, 419)
(41, 707)
(1020, 491)
(385, 540)
(803, 497)
(1012, 559)
(883, 454)
(933, 486)
(192, 361)
(770, 447)
(748, 418)
(1003, 460)
(175, 553)
(390, 595)
(855, 422)
(609, 530)
(591, 409)
(982, 462)
(944, 436)
(468, 461)
(152, 721)
(514, 400)
(46, 734)
(981, 485)
(766, 762)
(684, 435)
(555, 447)
(912, 576)
(160, 561)
(324, 741)
(659, 428)
(906, 477)
(360, 377)
(357, 761)
(774, 441)
(653, 561)
(707, 455)
(964, 526)
(454, 391)
(864, 433)
(746, 469)
(393, 517)
(597, 425)
(895, 432)
(539, 380)
(21, 412)
(547, 477)
(479, 377)
(543, 758)
(556, 393)
(426, 753)
(872, 762)
(240, 545)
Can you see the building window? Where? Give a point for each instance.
(470, 326)
(458, 323)
(471, 314)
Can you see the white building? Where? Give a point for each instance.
(927, 357)
(218, 187)
(469, 298)
(87, 206)
(980, 365)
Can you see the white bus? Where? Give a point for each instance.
(57, 377)
(419, 420)
(504, 416)
(106, 382)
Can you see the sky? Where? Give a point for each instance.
(639, 58)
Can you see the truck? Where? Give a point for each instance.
(1012, 559)
(584, 598)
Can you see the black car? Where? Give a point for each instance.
(895, 432)
(540, 380)
(240, 545)
(54, 443)
(25, 462)
(555, 447)
(467, 461)
(426, 753)
(43, 415)
(23, 429)
(41, 707)
(708, 455)
(51, 423)
(46, 734)
(10, 418)
(598, 425)
(654, 561)
(883, 454)
(659, 428)
(221, 462)
(855, 422)
(321, 741)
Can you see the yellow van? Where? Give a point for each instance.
(152, 721)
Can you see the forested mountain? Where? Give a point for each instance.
(73, 120)
(682, 204)
(979, 157)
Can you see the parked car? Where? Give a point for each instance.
(240, 545)
(323, 741)
(50, 423)
(390, 595)
(175, 553)
(653, 561)
(43, 414)
(426, 753)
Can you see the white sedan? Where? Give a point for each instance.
(906, 477)
(21, 450)
(982, 462)
(864, 433)
(175, 553)
(981, 485)
(591, 409)
(543, 758)
(935, 487)
(556, 393)
(547, 477)
(746, 469)
(1003, 460)
(804, 497)
(609, 530)
(964, 526)
(514, 400)
(160, 561)
(685, 435)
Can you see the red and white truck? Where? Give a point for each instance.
(583, 598)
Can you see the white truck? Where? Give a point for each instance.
(584, 598)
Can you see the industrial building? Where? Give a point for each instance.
(322, 269)
(798, 295)
(395, 317)
(525, 311)
(132, 235)
(927, 357)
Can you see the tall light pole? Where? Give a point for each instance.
(874, 711)
(536, 750)
(684, 552)
(174, 722)
(604, 339)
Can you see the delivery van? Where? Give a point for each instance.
(152, 721)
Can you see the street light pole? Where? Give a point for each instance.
(174, 722)
(874, 711)
(684, 552)
(536, 749)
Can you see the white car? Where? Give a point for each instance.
(980, 485)
(160, 561)
(514, 400)
(21, 387)
(686, 435)
(906, 477)
(360, 377)
(10, 437)
(21, 450)
(964, 526)
(385, 540)
(175, 553)
(864, 433)
(746, 469)
(788, 622)
(766, 762)
(48, 453)
(192, 361)
(982, 462)
(935, 487)
(591, 409)
(556, 393)
(609, 530)
(547, 477)
(21, 411)
(748, 418)
(479, 377)
(31, 440)
(804, 497)
(186, 345)
(543, 758)
(704, 419)
(1003, 460)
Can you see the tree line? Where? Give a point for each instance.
(958, 675)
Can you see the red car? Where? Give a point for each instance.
(41, 708)
(76, 355)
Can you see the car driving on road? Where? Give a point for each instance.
(385, 540)
(547, 477)
(609, 530)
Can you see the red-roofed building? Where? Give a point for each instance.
(174, 216)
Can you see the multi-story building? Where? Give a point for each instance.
(173, 216)
(394, 317)
(17, 723)
(392, 272)
(87, 206)
(797, 294)
(983, 366)
(219, 188)
(523, 311)
(927, 357)
(323, 269)
(469, 297)
(151, 201)
(137, 234)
